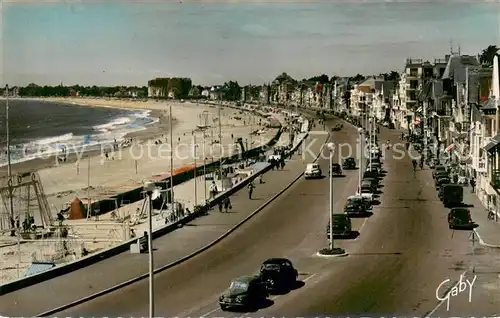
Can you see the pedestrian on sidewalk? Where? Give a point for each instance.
(473, 185)
(227, 204)
(250, 190)
(213, 190)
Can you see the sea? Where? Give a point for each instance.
(40, 129)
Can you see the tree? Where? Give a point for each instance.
(232, 91)
(323, 79)
(393, 76)
(357, 78)
(487, 55)
(284, 77)
(347, 98)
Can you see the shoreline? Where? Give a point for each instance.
(150, 132)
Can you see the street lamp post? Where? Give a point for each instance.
(361, 150)
(331, 148)
(149, 187)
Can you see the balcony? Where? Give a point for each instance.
(440, 61)
(414, 61)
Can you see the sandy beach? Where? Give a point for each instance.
(126, 167)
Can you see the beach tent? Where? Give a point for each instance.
(76, 211)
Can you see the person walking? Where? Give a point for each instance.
(473, 185)
(227, 204)
(221, 205)
(213, 190)
(250, 186)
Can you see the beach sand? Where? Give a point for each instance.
(62, 182)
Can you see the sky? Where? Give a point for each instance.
(130, 42)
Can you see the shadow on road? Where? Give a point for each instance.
(360, 215)
(352, 236)
(376, 202)
(376, 254)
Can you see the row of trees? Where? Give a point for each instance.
(179, 86)
(34, 90)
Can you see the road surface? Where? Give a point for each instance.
(404, 252)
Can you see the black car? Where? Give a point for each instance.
(442, 181)
(354, 208)
(460, 218)
(341, 226)
(349, 163)
(336, 169)
(279, 274)
(244, 292)
(337, 127)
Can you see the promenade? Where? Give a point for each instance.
(168, 248)
(62, 184)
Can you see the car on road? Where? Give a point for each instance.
(349, 163)
(355, 209)
(460, 218)
(371, 174)
(278, 274)
(244, 292)
(452, 195)
(366, 190)
(341, 226)
(336, 169)
(364, 201)
(337, 127)
(438, 169)
(373, 183)
(440, 181)
(312, 171)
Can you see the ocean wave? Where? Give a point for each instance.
(104, 136)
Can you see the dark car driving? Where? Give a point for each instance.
(244, 292)
(278, 274)
(349, 163)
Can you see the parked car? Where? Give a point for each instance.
(460, 218)
(279, 274)
(373, 183)
(442, 181)
(362, 200)
(312, 171)
(438, 169)
(336, 169)
(366, 190)
(349, 163)
(341, 226)
(244, 292)
(355, 209)
(452, 195)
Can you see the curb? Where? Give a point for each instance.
(181, 260)
(483, 243)
(318, 254)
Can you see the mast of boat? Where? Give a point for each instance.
(13, 222)
(171, 160)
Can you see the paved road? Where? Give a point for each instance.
(107, 273)
(293, 226)
(404, 252)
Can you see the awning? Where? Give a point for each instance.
(492, 144)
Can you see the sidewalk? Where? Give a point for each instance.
(488, 230)
(38, 298)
